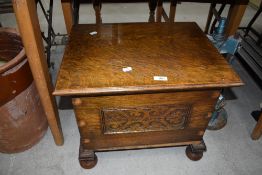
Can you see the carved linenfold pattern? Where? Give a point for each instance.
(144, 119)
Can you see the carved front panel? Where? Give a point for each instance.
(144, 119)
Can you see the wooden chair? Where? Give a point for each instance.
(257, 132)
(154, 5)
(210, 16)
(157, 5)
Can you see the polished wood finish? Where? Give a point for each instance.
(25, 8)
(118, 109)
(235, 15)
(67, 7)
(174, 117)
(196, 65)
(29, 28)
(257, 132)
(165, 117)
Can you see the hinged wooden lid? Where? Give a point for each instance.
(139, 57)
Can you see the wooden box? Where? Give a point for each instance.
(142, 85)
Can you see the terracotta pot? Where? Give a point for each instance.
(22, 119)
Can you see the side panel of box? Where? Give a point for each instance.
(113, 122)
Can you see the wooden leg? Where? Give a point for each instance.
(166, 18)
(68, 14)
(98, 14)
(235, 15)
(26, 16)
(97, 7)
(76, 7)
(172, 11)
(209, 17)
(87, 158)
(257, 132)
(159, 10)
(152, 7)
(195, 152)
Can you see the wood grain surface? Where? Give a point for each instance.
(93, 64)
(29, 28)
(145, 118)
(88, 111)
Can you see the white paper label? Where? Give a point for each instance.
(127, 69)
(160, 78)
(93, 33)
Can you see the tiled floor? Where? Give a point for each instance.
(230, 150)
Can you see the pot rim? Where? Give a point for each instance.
(18, 58)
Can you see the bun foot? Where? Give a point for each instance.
(193, 156)
(87, 158)
(88, 164)
(195, 152)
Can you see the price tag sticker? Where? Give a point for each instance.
(93, 33)
(127, 69)
(160, 78)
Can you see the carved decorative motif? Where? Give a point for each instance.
(144, 119)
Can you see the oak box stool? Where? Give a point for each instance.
(142, 85)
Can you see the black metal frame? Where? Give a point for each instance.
(250, 50)
(6, 6)
(50, 39)
(249, 26)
